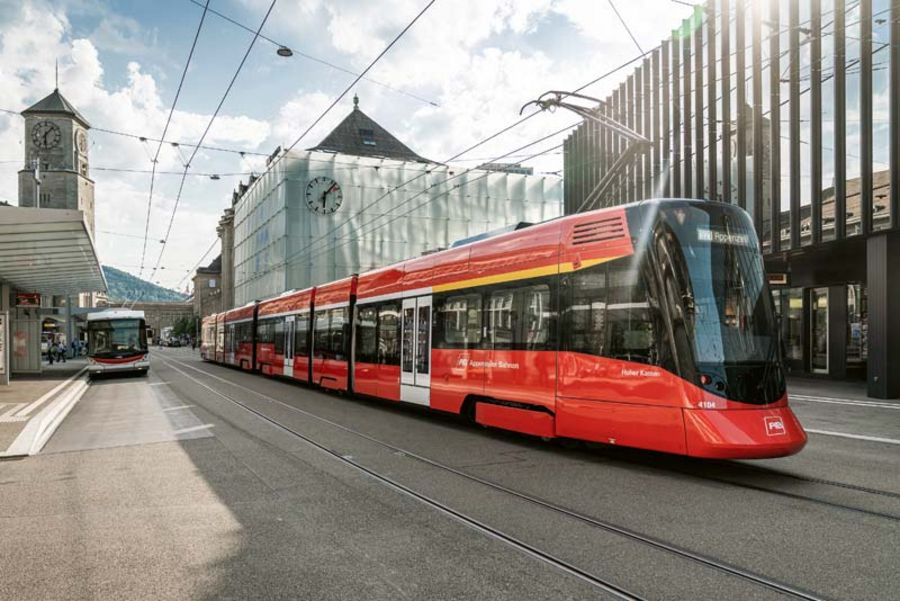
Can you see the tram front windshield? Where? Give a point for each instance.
(116, 337)
(711, 258)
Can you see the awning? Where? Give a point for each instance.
(48, 251)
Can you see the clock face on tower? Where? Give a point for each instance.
(81, 142)
(323, 195)
(45, 135)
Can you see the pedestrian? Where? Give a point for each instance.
(51, 351)
(193, 343)
(61, 352)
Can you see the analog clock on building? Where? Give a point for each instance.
(45, 135)
(323, 195)
(81, 142)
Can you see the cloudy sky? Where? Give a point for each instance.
(461, 73)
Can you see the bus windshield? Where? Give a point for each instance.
(116, 337)
(711, 257)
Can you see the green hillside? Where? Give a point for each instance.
(124, 286)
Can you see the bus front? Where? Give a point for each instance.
(117, 345)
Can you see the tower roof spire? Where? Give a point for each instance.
(56, 103)
(57, 75)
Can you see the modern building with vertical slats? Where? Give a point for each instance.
(789, 109)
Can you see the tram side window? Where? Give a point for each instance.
(389, 334)
(633, 316)
(229, 337)
(584, 316)
(301, 335)
(243, 333)
(502, 319)
(521, 318)
(366, 335)
(265, 332)
(278, 333)
(458, 322)
(537, 316)
(322, 338)
(340, 327)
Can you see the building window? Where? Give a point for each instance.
(212, 282)
(367, 136)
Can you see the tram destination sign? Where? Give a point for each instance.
(726, 238)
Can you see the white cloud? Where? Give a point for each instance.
(137, 106)
(480, 61)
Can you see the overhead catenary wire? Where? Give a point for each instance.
(174, 143)
(319, 60)
(198, 263)
(442, 194)
(206, 132)
(325, 237)
(336, 100)
(625, 25)
(360, 76)
(155, 161)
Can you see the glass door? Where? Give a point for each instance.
(818, 325)
(415, 350)
(289, 345)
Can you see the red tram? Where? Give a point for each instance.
(648, 325)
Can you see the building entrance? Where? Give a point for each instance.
(818, 330)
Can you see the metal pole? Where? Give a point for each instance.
(895, 113)
(865, 116)
(815, 136)
(840, 123)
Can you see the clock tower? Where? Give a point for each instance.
(56, 173)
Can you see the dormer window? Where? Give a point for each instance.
(367, 136)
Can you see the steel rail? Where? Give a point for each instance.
(708, 561)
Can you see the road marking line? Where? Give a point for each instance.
(177, 408)
(7, 416)
(854, 436)
(194, 429)
(813, 399)
(157, 383)
(28, 410)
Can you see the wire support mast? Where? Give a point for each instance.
(635, 142)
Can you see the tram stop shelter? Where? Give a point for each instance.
(46, 252)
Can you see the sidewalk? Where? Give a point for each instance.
(32, 406)
(815, 387)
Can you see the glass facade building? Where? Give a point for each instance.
(789, 109)
(389, 210)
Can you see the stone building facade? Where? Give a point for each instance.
(208, 289)
(163, 315)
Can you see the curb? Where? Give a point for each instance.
(42, 426)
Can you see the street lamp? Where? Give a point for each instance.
(284, 51)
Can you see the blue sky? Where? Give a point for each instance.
(120, 63)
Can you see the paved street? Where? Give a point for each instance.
(205, 482)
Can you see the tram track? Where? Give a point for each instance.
(565, 566)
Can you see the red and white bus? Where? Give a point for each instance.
(649, 325)
(117, 342)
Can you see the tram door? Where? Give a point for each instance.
(415, 350)
(289, 325)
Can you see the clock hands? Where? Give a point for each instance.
(326, 193)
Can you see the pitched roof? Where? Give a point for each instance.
(358, 134)
(214, 267)
(56, 103)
